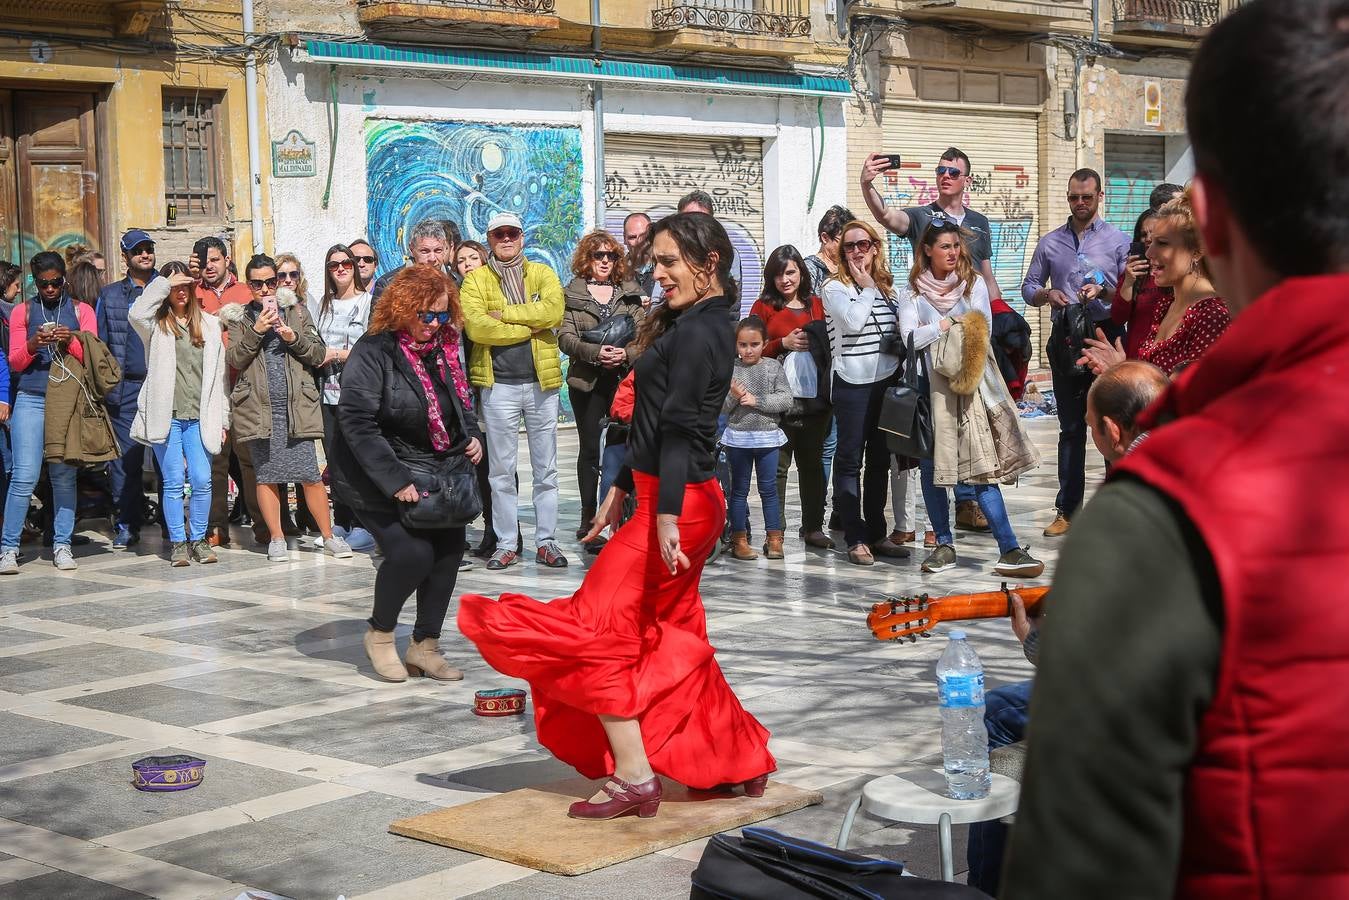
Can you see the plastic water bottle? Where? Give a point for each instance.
(964, 739)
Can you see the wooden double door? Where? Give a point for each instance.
(49, 180)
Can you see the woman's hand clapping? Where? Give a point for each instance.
(1100, 355)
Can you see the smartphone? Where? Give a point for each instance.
(47, 327)
(269, 304)
(1138, 248)
(893, 160)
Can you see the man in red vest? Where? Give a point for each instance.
(1189, 727)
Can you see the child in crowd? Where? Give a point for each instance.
(758, 398)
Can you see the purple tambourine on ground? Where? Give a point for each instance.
(167, 773)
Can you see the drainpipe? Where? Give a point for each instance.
(598, 93)
(1095, 21)
(251, 104)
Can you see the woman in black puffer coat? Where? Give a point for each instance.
(404, 395)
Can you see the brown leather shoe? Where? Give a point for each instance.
(1059, 527)
(890, 549)
(860, 555)
(819, 539)
(643, 797)
(218, 537)
(772, 548)
(969, 517)
(929, 540)
(903, 537)
(740, 547)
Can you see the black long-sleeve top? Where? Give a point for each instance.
(682, 379)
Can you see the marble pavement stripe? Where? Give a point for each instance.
(12, 870)
(125, 681)
(407, 787)
(74, 758)
(57, 643)
(881, 758)
(226, 817)
(236, 724)
(461, 881)
(125, 870)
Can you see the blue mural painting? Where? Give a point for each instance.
(467, 172)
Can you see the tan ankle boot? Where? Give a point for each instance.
(772, 548)
(740, 547)
(383, 655)
(423, 658)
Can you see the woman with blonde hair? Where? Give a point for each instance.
(859, 309)
(944, 289)
(600, 293)
(181, 412)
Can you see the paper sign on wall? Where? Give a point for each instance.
(1152, 104)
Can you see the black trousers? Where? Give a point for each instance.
(805, 446)
(590, 407)
(1070, 396)
(342, 514)
(424, 562)
(860, 499)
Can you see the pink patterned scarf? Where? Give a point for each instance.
(942, 293)
(447, 340)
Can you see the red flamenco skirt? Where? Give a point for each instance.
(632, 643)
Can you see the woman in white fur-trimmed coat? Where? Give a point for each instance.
(182, 411)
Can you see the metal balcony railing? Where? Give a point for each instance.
(1167, 14)
(769, 18)
(536, 7)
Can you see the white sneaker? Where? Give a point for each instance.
(337, 547)
(63, 559)
(9, 562)
(359, 539)
(277, 551)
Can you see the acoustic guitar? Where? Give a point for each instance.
(897, 618)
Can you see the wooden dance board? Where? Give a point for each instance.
(529, 827)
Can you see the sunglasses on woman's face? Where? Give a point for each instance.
(601, 255)
(50, 282)
(862, 246)
(258, 284)
(338, 265)
(427, 317)
(506, 233)
(290, 275)
(366, 260)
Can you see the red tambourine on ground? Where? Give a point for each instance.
(499, 702)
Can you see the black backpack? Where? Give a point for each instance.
(765, 865)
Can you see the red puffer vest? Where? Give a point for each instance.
(1258, 456)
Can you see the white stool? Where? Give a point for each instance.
(918, 797)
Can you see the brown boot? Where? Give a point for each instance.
(423, 658)
(969, 517)
(740, 547)
(383, 655)
(772, 547)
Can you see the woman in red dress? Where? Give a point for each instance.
(624, 680)
(1185, 324)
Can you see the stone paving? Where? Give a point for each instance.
(257, 667)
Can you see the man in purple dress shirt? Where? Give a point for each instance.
(1077, 262)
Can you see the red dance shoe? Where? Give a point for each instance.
(753, 788)
(644, 798)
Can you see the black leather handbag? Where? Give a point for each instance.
(906, 412)
(447, 487)
(618, 330)
(766, 865)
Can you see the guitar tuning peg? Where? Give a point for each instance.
(913, 639)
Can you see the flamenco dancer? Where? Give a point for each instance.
(624, 681)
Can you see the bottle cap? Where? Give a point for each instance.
(957, 635)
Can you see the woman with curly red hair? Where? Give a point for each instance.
(405, 397)
(595, 337)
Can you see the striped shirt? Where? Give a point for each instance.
(857, 321)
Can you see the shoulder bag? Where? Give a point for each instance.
(906, 412)
(447, 486)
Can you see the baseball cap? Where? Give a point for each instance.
(135, 236)
(504, 219)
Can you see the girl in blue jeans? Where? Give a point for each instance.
(754, 407)
(182, 413)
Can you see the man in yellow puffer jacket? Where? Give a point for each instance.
(511, 307)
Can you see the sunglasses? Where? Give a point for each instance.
(427, 317)
(49, 282)
(862, 245)
(1080, 198)
(949, 170)
(258, 284)
(338, 265)
(288, 276)
(610, 255)
(366, 260)
(507, 233)
(142, 249)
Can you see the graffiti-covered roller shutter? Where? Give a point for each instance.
(1004, 150)
(1134, 165)
(649, 173)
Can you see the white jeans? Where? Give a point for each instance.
(503, 405)
(906, 499)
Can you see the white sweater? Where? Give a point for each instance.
(857, 320)
(920, 318)
(154, 405)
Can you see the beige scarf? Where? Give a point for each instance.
(943, 294)
(512, 275)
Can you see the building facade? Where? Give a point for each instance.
(1031, 91)
(456, 110)
(117, 115)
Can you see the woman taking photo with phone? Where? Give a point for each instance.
(41, 331)
(181, 412)
(274, 347)
(624, 681)
(341, 315)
